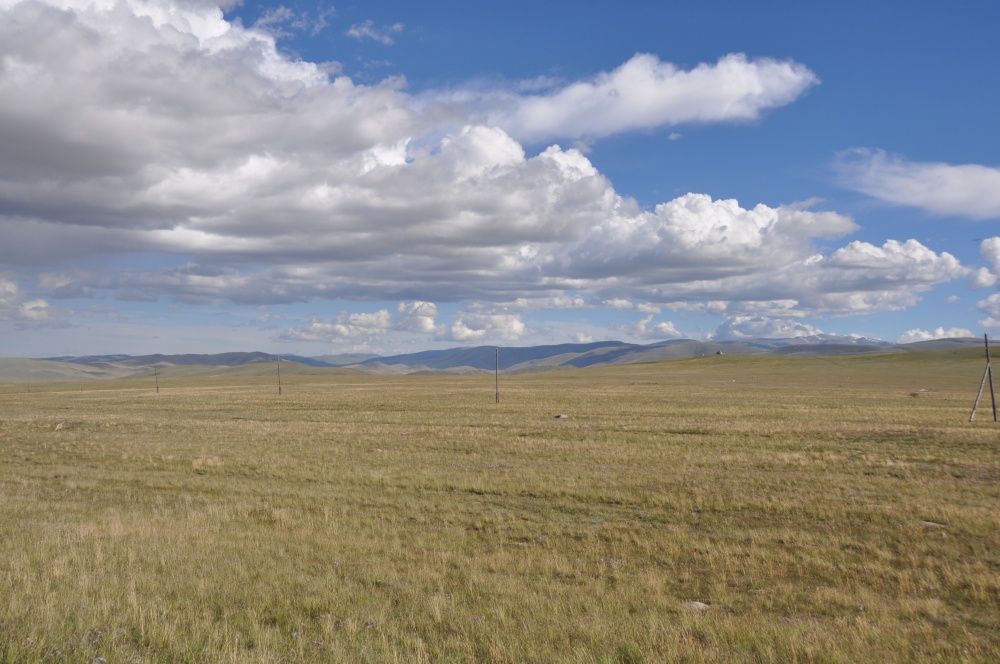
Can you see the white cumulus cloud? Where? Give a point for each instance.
(646, 330)
(911, 336)
(991, 307)
(14, 305)
(645, 93)
(348, 327)
(989, 249)
(966, 190)
(694, 237)
(481, 327)
(982, 278)
(368, 30)
(762, 327)
(34, 310)
(9, 293)
(417, 317)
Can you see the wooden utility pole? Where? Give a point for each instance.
(987, 374)
(279, 376)
(156, 377)
(496, 375)
(989, 370)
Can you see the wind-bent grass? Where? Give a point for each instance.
(824, 509)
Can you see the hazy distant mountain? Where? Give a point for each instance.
(17, 369)
(485, 357)
(234, 359)
(539, 358)
(344, 359)
(834, 349)
(836, 339)
(944, 344)
(472, 360)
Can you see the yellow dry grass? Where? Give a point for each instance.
(713, 509)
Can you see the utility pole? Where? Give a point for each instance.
(989, 370)
(988, 374)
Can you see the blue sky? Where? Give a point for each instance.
(315, 178)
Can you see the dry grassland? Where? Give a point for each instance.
(713, 509)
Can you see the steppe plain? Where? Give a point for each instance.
(721, 508)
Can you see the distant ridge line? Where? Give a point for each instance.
(475, 359)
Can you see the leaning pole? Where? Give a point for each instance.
(989, 370)
(988, 374)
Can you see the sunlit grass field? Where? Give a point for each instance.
(720, 508)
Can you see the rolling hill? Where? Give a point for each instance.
(476, 359)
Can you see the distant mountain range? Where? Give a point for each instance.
(538, 358)
(468, 360)
(235, 359)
